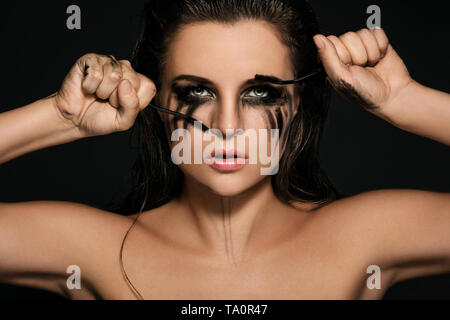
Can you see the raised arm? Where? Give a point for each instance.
(406, 231)
(423, 111)
(35, 126)
(40, 239)
(100, 95)
(364, 68)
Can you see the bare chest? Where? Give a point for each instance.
(293, 271)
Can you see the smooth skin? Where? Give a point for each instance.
(181, 250)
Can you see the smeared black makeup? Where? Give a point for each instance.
(273, 96)
(187, 101)
(260, 94)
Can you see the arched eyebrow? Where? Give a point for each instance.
(207, 82)
(197, 79)
(258, 79)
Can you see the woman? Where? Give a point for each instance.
(221, 229)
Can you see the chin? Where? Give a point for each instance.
(225, 184)
(227, 190)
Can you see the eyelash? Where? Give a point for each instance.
(273, 95)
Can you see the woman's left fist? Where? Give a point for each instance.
(364, 68)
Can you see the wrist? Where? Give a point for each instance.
(396, 109)
(64, 126)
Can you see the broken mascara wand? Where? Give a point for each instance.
(257, 77)
(179, 115)
(286, 82)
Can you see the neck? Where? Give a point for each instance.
(228, 224)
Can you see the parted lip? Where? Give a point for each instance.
(230, 153)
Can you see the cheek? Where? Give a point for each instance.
(268, 119)
(279, 118)
(256, 118)
(264, 117)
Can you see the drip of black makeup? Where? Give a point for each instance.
(277, 119)
(191, 108)
(182, 94)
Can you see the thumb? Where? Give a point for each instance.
(129, 104)
(328, 54)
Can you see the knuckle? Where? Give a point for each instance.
(101, 95)
(360, 59)
(95, 75)
(374, 58)
(88, 87)
(384, 44)
(151, 86)
(134, 79)
(364, 32)
(152, 91)
(333, 39)
(147, 84)
(375, 53)
(379, 33)
(115, 76)
(125, 63)
(345, 56)
(88, 56)
(109, 57)
(348, 35)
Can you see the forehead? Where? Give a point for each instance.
(228, 53)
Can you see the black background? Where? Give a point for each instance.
(360, 151)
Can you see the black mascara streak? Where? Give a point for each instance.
(184, 99)
(276, 97)
(350, 93)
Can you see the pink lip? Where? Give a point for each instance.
(227, 164)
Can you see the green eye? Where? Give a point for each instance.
(259, 93)
(197, 92)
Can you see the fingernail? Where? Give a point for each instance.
(126, 87)
(319, 42)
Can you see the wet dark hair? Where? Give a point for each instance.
(300, 177)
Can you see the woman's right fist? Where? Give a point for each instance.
(101, 95)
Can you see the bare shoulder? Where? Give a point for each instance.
(64, 217)
(394, 225)
(53, 235)
(387, 207)
(388, 204)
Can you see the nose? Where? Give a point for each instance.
(227, 117)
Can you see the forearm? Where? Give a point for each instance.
(32, 127)
(422, 111)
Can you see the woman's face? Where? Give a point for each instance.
(209, 74)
